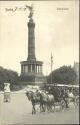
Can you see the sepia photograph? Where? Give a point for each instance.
(39, 62)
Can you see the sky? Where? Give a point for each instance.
(56, 31)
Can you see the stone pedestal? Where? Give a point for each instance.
(31, 72)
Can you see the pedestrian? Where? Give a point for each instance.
(62, 93)
(6, 92)
(56, 93)
(66, 97)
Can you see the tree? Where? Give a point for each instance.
(7, 75)
(63, 75)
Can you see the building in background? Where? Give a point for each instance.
(76, 69)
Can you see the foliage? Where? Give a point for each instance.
(7, 75)
(63, 75)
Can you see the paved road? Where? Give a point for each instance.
(18, 111)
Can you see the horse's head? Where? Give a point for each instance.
(29, 95)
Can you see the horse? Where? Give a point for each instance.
(49, 101)
(46, 100)
(35, 99)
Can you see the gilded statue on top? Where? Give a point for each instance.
(31, 11)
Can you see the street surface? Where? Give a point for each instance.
(18, 111)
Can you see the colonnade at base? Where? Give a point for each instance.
(31, 68)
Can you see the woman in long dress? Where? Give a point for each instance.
(6, 92)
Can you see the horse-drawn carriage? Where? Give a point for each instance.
(48, 101)
(45, 101)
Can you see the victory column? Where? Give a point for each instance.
(31, 70)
